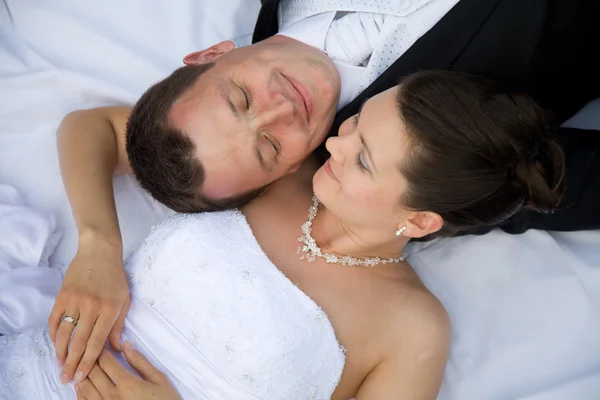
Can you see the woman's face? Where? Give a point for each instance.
(361, 183)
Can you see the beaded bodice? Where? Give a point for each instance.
(208, 277)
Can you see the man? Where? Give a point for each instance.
(216, 133)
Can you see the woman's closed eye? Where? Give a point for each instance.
(359, 161)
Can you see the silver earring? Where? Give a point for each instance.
(400, 231)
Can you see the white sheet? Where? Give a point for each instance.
(525, 309)
(27, 285)
(70, 54)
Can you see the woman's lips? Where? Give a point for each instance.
(327, 167)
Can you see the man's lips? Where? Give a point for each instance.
(327, 167)
(304, 93)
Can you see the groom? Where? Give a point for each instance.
(252, 114)
(542, 47)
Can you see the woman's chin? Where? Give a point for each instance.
(319, 181)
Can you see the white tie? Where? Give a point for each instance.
(352, 38)
(292, 11)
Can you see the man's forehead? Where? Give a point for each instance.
(229, 162)
(203, 115)
(190, 102)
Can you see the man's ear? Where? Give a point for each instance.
(209, 55)
(423, 223)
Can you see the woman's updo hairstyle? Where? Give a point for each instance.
(478, 154)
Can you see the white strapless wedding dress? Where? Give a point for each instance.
(213, 313)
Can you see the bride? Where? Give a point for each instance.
(306, 293)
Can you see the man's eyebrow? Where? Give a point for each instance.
(224, 94)
(260, 158)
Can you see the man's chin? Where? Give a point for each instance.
(294, 168)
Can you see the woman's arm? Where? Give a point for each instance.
(91, 147)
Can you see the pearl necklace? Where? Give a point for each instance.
(310, 251)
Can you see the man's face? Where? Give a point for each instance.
(258, 113)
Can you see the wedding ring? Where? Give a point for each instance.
(70, 320)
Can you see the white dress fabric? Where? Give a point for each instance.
(213, 313)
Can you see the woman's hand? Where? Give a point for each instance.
(96, 295)
(110, 380)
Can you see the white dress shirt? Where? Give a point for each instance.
(386, 36)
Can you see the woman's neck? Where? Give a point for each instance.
(334, 237)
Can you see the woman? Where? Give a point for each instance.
(294, 297)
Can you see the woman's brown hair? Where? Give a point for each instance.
(479, 154)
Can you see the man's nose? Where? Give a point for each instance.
(277, 109)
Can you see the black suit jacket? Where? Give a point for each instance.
(546, 48)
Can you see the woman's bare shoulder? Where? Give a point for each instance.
(413, 341)
(414, 320)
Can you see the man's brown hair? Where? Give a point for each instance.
(163, 157)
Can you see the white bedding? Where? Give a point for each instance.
(525, 309)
